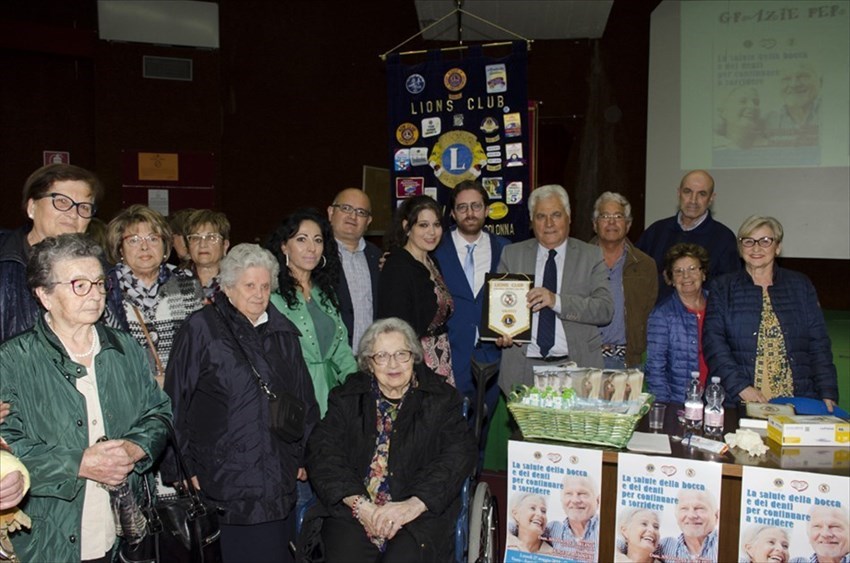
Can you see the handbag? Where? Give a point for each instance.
(160, 369)
(286, 411)
(178, 525)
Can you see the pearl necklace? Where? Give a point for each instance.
(84, 354)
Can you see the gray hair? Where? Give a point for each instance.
(543, 192)
(244, 256)
(752, 533)
(616, 198)
(386, 326)
(51, 250)
(754, 222)
(625, 520)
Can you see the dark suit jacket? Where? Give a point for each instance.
(586, 304)
(346, 307)
(467, 313)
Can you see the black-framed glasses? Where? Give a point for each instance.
(136, 240)
(611, 216)
(680, 272)
(476, 206)
(349, 209)
(383, 358)
(61, 202)
(82, 286)
(212, 238)
(750, 242)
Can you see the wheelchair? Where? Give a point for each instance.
(477, 529)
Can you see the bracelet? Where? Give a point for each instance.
(355, 508)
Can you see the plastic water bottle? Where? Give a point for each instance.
(693, 403)
(714, 396)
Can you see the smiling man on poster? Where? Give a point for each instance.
(577, 536)
(697, 516)
(829, 535)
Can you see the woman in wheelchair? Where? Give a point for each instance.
(389, 459)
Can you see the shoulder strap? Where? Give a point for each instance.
(160, 369)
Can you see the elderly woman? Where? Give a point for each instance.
(148, 297)
(208, 238)
(389, 459)
(411, 286)
(82, 405)
(57, 199)
(639, 537)
(674, 329)
(527, 524)
(765, 335)
(226, 356)
(739, 124)
(764, 544)
(305, 247)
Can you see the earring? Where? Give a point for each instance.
(286, 259)
(324, 261)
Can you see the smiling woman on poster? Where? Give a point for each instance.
(639, 537)
(764, 544)
(527, 524)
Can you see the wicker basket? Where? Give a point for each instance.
(584, 427)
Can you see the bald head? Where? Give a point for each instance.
(696, 194)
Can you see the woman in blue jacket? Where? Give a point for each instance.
(674, 347)
(765, 335)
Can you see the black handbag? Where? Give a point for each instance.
(286, 411)
(179, 527)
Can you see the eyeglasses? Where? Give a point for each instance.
(383, 358)
(611, 217)
(750, 242)
(64, 203)
(212, 238)
(348, 210)
(82, 286)
(136, 240)
(680, 272)
(464, 207)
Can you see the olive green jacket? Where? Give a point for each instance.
(333, 368)
(47, 427)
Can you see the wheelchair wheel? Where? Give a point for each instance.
(482, 526)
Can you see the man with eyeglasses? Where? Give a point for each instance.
(57, 199)
(350, 215)
(465, 254)
(631, 279)
(692, 224)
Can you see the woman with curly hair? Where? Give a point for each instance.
(305, 247)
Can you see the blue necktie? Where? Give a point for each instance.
(546, 321)
(469, 267)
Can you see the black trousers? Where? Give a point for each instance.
(258, 543)
(346, 542)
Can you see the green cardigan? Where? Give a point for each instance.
(47, 427)
(329, 371)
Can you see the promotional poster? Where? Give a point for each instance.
(553, 503)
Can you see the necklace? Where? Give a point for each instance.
(84, 354)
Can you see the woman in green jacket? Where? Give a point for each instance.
(82, 404)
(309, 271)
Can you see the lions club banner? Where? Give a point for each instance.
(463, 119)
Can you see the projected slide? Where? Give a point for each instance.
(777, 91)
(757, 93)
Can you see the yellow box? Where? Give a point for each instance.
(803, 430)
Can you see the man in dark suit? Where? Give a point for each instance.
(465, 254)
(570, 299)
(350, 215)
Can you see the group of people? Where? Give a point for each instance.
(371, 344)
(828, 531)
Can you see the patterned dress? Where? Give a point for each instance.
(435, 342)
(773, 371)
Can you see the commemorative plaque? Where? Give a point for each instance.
(506, 311)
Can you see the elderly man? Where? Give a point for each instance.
(570, 299)
(573, 537)
(799, 86)
(694, 224)
(829, 535)
(465, 254)
(631, 278)
(696, 515)
(350, 214)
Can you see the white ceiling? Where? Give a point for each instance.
(532, 19)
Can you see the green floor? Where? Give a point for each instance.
(838, 324)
